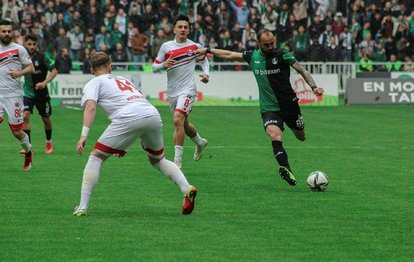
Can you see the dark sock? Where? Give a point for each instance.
(28, 153)
(280, 154)
(28, 134)
(48, 134)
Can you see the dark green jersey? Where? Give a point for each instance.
(42, 64)
(272, 73)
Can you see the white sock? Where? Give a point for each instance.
(178, 153)
(25, 143)
(90, 179)
(197, 139)
(171, 170)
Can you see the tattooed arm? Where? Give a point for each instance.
(308, 78)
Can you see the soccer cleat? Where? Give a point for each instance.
(27, 162)
(79, 212)
(287, 175)
(189, 201)
(49, 148)
(199, 149)
(178, 163)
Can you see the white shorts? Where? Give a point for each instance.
(13, 106)
(182, 103)
(119, 136)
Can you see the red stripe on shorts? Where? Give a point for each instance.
(181, 111)
(155, 152)
(16, 127)
(109, 150)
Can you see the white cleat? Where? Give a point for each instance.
(199, 149)
(79, 212)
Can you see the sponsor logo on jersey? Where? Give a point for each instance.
(267, 72)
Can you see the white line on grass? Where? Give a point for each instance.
(74, 108)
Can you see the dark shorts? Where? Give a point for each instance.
(43, 105)
(289, 114)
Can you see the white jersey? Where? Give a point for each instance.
(12, 57)
(180, 76)
(118, 97)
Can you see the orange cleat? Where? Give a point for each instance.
(28, 162)
(49, 148)
(189, 201)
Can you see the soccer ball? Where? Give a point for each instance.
(317, 181)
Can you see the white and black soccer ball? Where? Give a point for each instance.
(317, 181)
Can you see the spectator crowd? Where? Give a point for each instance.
(366, 32)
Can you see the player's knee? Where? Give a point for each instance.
(274, 136)
(178, 121)
(153, 160)
(26, 116)
(99, 155)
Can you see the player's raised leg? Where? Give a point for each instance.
(48, 134)
(153, 144)
(201, 143)
(25, 144)
(174, 173)
(14, 105)
(275, 134)
(179, 136)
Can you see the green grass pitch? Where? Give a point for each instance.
(244, 211)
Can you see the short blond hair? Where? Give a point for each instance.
(100, 60)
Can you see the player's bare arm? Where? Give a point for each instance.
(88, 117)
(308, 78)
(205, 66)
(225, 54)
(28, 69)
(50, 77)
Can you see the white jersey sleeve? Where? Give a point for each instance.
(157, 65)
(24, 56)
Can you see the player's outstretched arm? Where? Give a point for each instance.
(308, 78)
(222, 53)
(205, 66)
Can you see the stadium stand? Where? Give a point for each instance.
(372, 35)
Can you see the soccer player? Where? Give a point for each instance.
(178, 58)
(35, 89)
(132, 117)
(278, 102)
(14, 63)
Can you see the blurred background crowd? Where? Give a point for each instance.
(366, 32)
